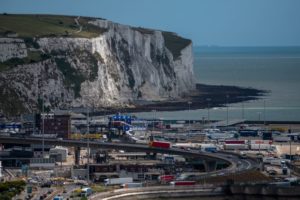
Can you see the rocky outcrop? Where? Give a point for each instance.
(119, 67)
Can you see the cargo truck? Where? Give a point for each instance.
(260, 146)
(117, 181)
(132, 185)
(166, 178)
(210, 149)
(282, 139)
(235, 142)
(160, 144)
(236, 146)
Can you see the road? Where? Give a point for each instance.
(235, 162)
(168, 191)
(116, 146)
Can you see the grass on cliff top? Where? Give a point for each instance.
(175, 43)
(47, 26)
(33, 56)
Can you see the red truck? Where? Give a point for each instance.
(166, 178)
(159, 144)
(183, 183)
(235, 142)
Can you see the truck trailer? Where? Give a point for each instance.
(118, 181)
(236, 146)
(183, 183)
(132, 185)
(160, 144)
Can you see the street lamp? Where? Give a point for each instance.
(243, 109)
(259, 113)
(208, 99)
(43, 130)
(189, 103)
(227, 96)
(88, 142)
(88, 132)
(264, 112)
(154, 117)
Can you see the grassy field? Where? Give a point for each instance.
(47, 26)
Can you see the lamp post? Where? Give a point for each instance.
(43, 130)
(88, 143)
(189, 103)
(243, 110)
(264, 112)
(88, 132)
(208, 120)
(227, 96)
(259, 113)
(154, 117)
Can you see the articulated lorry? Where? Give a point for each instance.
(118, 181)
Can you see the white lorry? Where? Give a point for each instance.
(132, 185)
(118, 181)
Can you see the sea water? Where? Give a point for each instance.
(275, 69)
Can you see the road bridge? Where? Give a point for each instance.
(209, 158)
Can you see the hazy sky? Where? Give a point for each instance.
(206, 22)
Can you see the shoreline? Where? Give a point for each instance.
(203, 97)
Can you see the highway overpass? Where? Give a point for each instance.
(209, 158)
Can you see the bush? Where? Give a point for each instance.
(11, 189)
(31, 43)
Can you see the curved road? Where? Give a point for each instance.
(166, 191)
(236, 164)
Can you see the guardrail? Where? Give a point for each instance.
(155, 190)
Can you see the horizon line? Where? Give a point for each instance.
(247, 46)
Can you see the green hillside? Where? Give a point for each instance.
(47, 26)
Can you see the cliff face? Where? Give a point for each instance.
(118, 67)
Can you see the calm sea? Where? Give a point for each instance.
(276, 69)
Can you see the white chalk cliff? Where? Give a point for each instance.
(119, 67)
